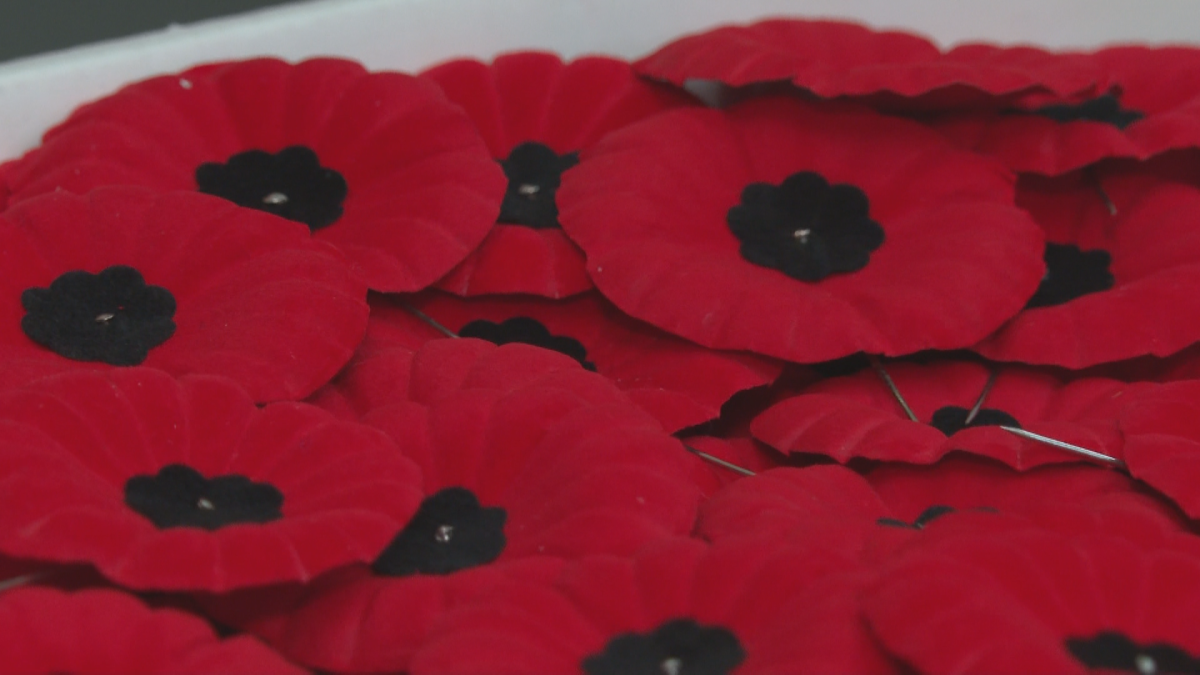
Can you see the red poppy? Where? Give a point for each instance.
(677, 606)
(1035, 601)
(536, 113)
(380, 165)
(857, 416)
(679, 383)
(1154, 107)
(106, 631)
(182, 282)
(1119, 275)
(186, 484)
(518, 467)
(1162, 441)
(918, 245)
(835, 58)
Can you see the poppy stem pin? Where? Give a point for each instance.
(429, 320)
(987, 388)
(21, 580)
(1113, 461)
(887, 379)
(1092, 176)
(718, 461)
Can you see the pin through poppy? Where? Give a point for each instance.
(112, 316)
(858, 416)
(290, 183)
(805, 227)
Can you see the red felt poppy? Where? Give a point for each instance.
(679, 383)
(1162, 441)
(835, 58)
(677, 606)
(106, 631)
(857, 416)
(187, 485)
(1154, 107)
(182, 282)
(553, 464)
(1120, 276)
(380, 165)
(942, 256)
(536, 113)
(1035, 601)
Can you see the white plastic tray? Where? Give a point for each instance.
(410, 34)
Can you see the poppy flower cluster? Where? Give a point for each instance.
(790, 347)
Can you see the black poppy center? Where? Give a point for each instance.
(1072, 273)
(1113, 651)
(805, 227)
(1105, 109)
(953, 419)
(534, 172)
(113, 317)
(677, 647)
(449, 532)
(528, 331)
(290, 183)
(924, 518)
(179, 496)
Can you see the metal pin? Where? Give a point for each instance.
(205, 504)
(718, 461)
(887, 379)
(671, 666)
(21, 580)
(528, 189)
(443, 534)
(275, 198)
(801, 235)
(429, 320)
(1095, 180)
(1113, 461)
(987, 388)
(1108, 202)
(105, 317)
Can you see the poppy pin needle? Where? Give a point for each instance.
(20, 581)
(429, 320)
(718, 461)
(987, 388)
(1113, 461)
(887, 380)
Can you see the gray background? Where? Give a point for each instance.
(29, 27)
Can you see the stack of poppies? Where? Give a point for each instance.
(791, 347)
